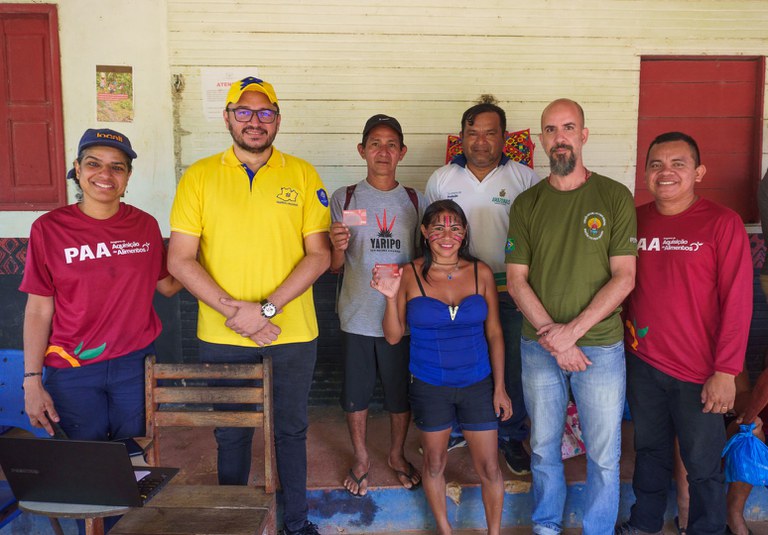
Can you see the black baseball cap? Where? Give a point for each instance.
(380, 119)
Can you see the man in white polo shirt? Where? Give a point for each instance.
(485, 182)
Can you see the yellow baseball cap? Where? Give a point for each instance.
(251, 83)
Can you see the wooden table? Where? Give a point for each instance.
(190, 521)
(202, 510)
(93, 515)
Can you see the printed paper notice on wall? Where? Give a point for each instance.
(215, 83)
(114, 94)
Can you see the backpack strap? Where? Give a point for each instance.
(414, 198)
(417, 232)
(340, 272)
(350, 192)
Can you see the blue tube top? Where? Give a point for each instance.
(445, 351)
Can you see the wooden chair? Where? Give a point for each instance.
(174, 398)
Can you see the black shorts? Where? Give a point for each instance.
(364, 356)
(435, 408)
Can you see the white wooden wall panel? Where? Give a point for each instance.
(336, 62)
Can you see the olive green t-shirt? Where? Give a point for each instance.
(567, 238)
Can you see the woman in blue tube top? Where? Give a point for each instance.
(449, 302)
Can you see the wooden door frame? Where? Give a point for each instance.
(57, 120)
(757, 147)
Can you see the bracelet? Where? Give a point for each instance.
(32, 374)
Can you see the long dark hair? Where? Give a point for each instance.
(430, 215)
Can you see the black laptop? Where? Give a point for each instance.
(78, 471)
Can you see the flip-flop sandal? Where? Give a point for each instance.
(359, 481)
(409, 476)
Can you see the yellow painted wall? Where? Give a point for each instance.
(336, 62)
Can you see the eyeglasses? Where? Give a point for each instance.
(244, 115)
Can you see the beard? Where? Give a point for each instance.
(562, 164)
(256, 148)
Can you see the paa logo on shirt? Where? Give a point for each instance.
(84, 252)
(117, 247)
(322, 196)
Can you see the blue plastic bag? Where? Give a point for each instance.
(746, 457)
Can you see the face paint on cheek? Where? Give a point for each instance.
(433, 236)
(458, 236)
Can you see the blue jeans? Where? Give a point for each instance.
(511, 325)
(664, 407)
(599, 394)
(293, 366)
(101, 401)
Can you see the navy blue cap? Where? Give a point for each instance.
(104, 137)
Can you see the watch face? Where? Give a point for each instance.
(268, 310)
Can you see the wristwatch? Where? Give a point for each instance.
(268, 309)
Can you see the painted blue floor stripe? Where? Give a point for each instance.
(396, 509)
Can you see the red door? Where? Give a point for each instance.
(32, 166)
(718, 101)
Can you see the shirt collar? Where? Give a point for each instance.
(461, 160)
(276, 159)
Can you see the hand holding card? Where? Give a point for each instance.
(387, 271)
(386, 279)
(355, 218)
(339, 236)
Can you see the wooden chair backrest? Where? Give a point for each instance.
(192, 405)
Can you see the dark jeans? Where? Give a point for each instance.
(293, 366)
(101, 401)
(663, 407)
(511, 325)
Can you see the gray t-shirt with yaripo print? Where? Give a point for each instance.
(389, 237)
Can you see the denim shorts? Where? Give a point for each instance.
(436, 407)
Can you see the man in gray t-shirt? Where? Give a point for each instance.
(376, 221)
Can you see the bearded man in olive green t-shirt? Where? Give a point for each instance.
(571, 254)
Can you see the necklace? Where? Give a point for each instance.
(450, 272)
(587, 174)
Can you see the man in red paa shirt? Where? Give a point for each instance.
(687, 325)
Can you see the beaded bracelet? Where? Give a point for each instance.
(32, 374)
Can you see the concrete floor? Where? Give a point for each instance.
(330, 456)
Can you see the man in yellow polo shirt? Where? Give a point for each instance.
(249, 237)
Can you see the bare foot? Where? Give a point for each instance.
(356, 481)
